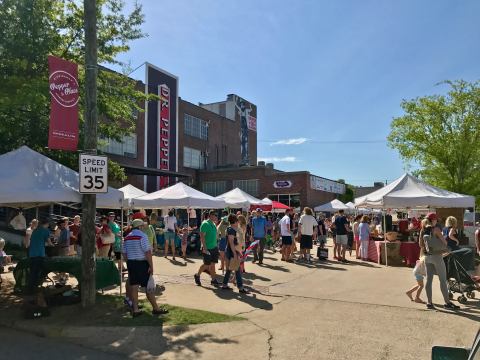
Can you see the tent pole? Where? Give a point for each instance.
(121, 251)
(385, 237)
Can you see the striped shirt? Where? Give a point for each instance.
(135, 245)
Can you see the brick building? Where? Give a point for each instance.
(212, 147)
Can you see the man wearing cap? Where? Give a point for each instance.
(259, 226)
(138, 253)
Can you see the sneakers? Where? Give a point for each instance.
(214, 282)
(197, 279)
(160, 311)
(430, 306)
(243, 291)
(226, 287)
(451, 306)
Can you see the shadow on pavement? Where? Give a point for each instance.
(273, 267)
(250, 299)
(320, 265)
(253, 276)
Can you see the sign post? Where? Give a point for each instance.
(93, 170)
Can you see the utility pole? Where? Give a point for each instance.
(89, 202)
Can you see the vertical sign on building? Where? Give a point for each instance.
(63, 84)
(161, 126)
(164, 136)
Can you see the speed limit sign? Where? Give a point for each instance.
(93, 174)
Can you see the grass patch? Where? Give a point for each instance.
(110, 311)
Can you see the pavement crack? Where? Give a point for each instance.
(269, 340)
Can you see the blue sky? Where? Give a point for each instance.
(326, 73)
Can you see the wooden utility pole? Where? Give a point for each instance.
(88, 291)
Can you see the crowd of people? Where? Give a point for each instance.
(229, 238)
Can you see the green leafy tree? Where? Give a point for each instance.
(441, 134)
(32, 30)
(349, 194)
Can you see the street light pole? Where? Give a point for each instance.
(88, 291)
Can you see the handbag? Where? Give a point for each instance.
(322, 253)
(234, 263)
(107, 238)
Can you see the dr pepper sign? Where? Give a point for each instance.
(64, 95)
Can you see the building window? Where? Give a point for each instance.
(292, 200)
(214, 188)
(249, 186)
(127, 147)
(195, 127)
(193, 158)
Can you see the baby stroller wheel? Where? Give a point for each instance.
(471, 295)
(450, 296)
(462, 299)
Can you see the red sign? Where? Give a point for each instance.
(63, 83)
(164, 158)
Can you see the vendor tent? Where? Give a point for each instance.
(29, 178)
(331, 206)
(410, 192)
(237, 198)
(178, 196)
(131, 192)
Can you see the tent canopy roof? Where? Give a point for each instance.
(178, 196)
(331, 206)
(29, 177)
(409, 192)
(238, 198)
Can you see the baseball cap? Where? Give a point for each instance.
(137, 223)
(259, 209)
(431, 216)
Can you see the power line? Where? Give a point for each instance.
(331, 142)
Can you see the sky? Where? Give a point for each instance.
(327, 76)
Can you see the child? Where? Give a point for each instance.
(419, 272)
(184, 237)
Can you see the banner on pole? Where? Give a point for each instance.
(64, 95)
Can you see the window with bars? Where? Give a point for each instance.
(195, 127)
(249, 186)
(214, 188)
(193, 158)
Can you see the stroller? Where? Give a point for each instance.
(459, 281)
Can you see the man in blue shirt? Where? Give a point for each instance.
(36, 254)
(259, 230)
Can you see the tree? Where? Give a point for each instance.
(34, 29)
(349, 194)
(441, 133)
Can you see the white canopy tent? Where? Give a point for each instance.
(178, 196)
(131, 192)
(331, 206)
(266, 201)
(29, 178)
(408, 192)
(238, 198)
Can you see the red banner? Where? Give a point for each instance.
(63, 83)
(164, 156)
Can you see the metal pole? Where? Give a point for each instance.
(121, 250)
(88, 291)
(385, 237)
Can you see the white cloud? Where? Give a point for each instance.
(295, 141)
(279, 159)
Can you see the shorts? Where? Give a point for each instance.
(342, 239)
(306, 242)
(138, 272)
(419, 277)
(286, 240)
(118, 255)
(356, 238)
(169, 236)
(222, 244)
(211, 258)
(322, 239)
